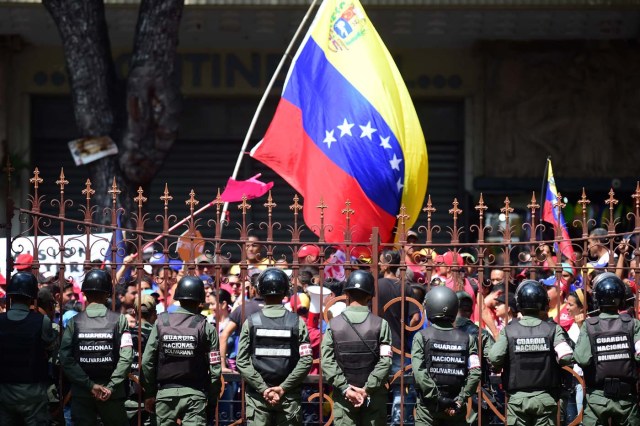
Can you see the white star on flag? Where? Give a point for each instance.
(367, 130)
(328, 138)
(345, 128)
(395, 163)
(385, 142)
(399, 184)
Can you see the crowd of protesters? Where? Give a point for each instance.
(145, 287)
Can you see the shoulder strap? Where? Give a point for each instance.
(358, 333)
(195, 321)
(165, 319)
(256, 319)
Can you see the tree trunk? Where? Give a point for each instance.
(153, 94)
(143, 127)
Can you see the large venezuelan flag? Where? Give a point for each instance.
(346, 129)
(550, 214)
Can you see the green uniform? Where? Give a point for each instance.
(84, 407)
(530, 407)
(600, 408)
(426, 408)
(374, 411)
(26, 403)
(185, 403)
(131, 404)
(258, 411)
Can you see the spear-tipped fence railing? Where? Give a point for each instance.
(458, 263)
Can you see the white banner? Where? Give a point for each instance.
(75, 252)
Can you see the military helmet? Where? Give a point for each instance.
(531, 297)
(190, 288)
(441, 303)
(97, 280)
(362, 281)
(273, 282)
(608, 291)
(23, 284)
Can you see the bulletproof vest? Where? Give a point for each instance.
(274, 346)
(612, 350)
(22, 351)
(182, 353)
(532, 365)
(446, 358)
(356, 357)
(96, 344)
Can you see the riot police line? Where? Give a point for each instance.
(180, 374)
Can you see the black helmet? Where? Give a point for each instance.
(273, 282)
(23, 284)
(362, 281)
(531, 297)
(190, 288)
(609, 291)
(97, 280)
(441, 303)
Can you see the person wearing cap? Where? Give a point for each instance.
(274, 356)
(146, 307)
(506, 312)
(530, 352)
(95, 355)
(309, 254)
(608, 350)
(27, 339)
(204, 264)
(23, 262)
(181, 363)
(557, 304)
(356, 357)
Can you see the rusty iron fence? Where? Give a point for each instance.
(516, 257)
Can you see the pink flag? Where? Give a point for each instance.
(252, 188)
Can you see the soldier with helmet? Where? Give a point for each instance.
(96, 354)
(530, 352)
(274, 356)
(356, 357)
(26, 338)
(445, 363)
(608, 350)
(181, 362)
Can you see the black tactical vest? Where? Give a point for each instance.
(274, 346)
(183, 360)
(446, 358)
(356, 357)
(532, 362)
(22, 352)
(96, 344)
(612, 349)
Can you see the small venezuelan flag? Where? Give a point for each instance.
(345, 128)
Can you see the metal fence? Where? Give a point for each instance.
(515, 257)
